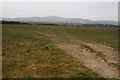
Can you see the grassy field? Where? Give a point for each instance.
(30, 52)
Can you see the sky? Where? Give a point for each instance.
(84, 10)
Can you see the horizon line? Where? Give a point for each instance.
(61, 17)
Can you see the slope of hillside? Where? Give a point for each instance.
(37, 51)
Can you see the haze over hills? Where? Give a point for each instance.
(56, 19)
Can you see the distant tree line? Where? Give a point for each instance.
(13, 22)
(30, 23)
(100, 25)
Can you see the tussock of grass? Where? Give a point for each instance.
(88, 48)
(99, 54)
(117, 65)
(86, 74)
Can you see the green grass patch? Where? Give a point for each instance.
(28, 54)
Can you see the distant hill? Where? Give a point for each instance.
(56, 19)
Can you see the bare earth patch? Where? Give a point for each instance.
(92, 61)
(111, 54)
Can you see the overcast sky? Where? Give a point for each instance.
(85, 10)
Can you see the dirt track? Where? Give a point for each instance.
(89, 59)
(92, 61)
